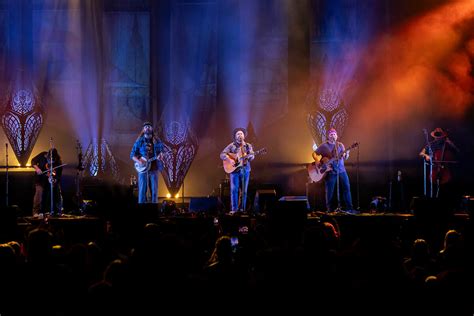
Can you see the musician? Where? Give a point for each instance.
(43, 179)
(334, 149)
(239, 150)
(146, 152)
(441, 152)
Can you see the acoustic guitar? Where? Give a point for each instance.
(238, 160)
(317, 171)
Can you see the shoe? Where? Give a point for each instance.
(352, 212)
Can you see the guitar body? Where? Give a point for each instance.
(141, 168)
(52, 177)
(145, 166)
(315, 172)
(237, 160)
(442, 171)
(232, 164)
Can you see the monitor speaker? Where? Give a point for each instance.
(291, 209)
(209, 205)
(264, 201)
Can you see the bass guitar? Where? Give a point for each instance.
(237, 160)
(317, 171)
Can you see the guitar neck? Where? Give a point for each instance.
(340, 156)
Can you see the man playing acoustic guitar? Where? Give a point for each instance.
(240, 154)
(329, 150)
(145, 153)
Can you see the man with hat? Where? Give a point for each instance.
(440, 140)
(241, 153)
(337, 173)
(440, 153)
(146, 154)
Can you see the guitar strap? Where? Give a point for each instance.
(335, 153)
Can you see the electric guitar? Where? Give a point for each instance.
(237, 160)
(52, 176)
(145, 166)
(318, 171)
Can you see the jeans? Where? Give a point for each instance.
(238, 178)
(345, 189)
(37, 198)
(148, 180)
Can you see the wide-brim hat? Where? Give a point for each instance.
(438, 132)
(239, 129)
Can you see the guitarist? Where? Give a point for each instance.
(43, 178)
(334, 149)
(145, 148)
(241, 153)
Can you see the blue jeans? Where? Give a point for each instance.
(148, 180)
(345, 189)
(237, 179)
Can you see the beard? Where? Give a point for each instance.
(149, 135)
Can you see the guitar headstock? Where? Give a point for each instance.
(261, 151)
(354, 145)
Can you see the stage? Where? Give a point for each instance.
(279, 224)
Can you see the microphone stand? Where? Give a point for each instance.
(357, 179)
(182, 199)
(51, 175)
(6, 174)
(430, 154)
(242, 178)
(339, 208)
(78, 179)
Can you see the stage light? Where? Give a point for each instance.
(168, 195)
(176, 195)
